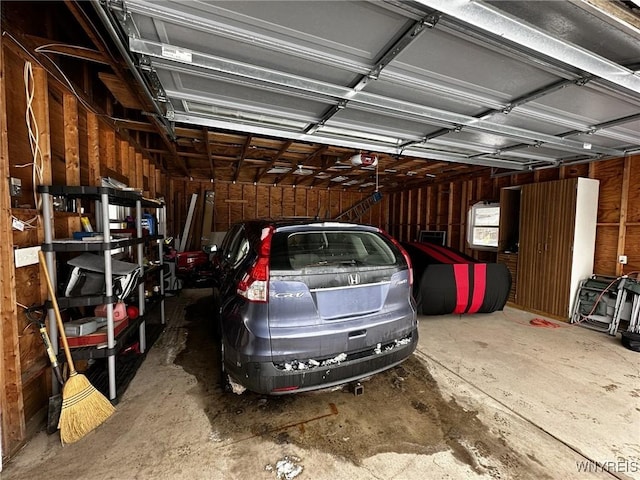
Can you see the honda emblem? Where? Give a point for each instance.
(354, 278)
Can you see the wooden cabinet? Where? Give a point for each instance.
(511, 261)
(556, 241)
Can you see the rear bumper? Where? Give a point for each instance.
(267, 378)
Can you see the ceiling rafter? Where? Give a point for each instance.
(307, 160)
(283, 149)
(207, 145)
(243, 154)
(312, 180)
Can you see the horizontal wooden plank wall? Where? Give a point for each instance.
(77, 146)
(444, 207)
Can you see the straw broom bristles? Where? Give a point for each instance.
(83, 407)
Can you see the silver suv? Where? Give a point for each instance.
(305, 305)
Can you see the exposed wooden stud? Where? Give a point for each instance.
(139, 183)
(107, 148)
(93, 141)
(450, 210)
(125, 162)
(145, 175)
(71, 140)
(624, 204)
(11, 399)
(41, 112)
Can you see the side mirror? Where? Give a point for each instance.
(210, 249)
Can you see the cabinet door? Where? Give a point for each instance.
(546, 239)
(532, 234)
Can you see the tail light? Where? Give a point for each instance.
(404, 254)
(254, 286)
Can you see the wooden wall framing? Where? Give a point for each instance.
(77, 146)
(239, 201)
(445, 206)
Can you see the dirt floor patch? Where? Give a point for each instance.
(401, 410)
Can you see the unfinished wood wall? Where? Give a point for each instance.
(444, 207)
(236, 202)
(76, 146)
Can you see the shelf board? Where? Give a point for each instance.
(101, 351)
(71, 245)
(127, 198)
(85, 301)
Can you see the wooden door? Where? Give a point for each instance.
(546, 242)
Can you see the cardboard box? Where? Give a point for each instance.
(82, 326)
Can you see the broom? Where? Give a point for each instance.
(83, 407)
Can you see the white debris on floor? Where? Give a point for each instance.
(286, 468)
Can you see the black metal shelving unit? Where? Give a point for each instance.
(104, 197)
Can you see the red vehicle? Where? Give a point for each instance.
(192, 269)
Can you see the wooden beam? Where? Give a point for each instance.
(46, 46)
(11, 398)
(207, 144)
(125, 162)
(315, 182)
(134, 125)
(121, 91)
(41, 113)
(71, 140)
(309, 159)
(139, 169)
(243, 154)
(283, 149)
(145, 175)
(93, 153)
(624, 205)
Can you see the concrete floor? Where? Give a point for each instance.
(561, 399)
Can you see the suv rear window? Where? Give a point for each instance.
(297, 250)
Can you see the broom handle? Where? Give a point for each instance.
(52, 294)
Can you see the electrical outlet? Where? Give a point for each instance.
(622, 259)
(26, 256)
(15, 187)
